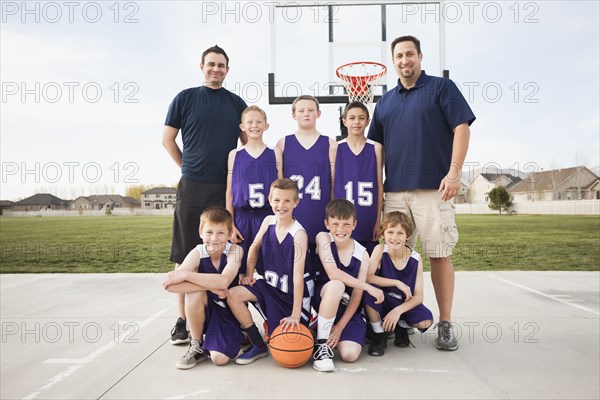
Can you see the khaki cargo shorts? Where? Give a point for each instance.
(433, 218)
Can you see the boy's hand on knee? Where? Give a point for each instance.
(391, 319)
(377, 293)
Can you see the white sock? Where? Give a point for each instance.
(324, 326)
(377, 328)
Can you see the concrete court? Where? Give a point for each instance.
(105, 336)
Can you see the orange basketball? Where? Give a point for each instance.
(291, 349)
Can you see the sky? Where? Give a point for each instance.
(86, 84)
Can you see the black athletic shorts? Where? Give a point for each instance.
(192, 199)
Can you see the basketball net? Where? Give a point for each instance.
(358, 78)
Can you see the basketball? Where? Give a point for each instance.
(291, 349)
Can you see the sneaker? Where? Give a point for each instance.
(401, 337)
(179, 333)
(445, 339)
(323, 357)
(252, 354)
(194, 355)
(378, 344)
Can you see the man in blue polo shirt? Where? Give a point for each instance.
(423, 125)
(209, 119)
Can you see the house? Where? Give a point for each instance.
(159, 198)
(483, 184)
(40, 202)
(573, 183)
(5, 204)
(463, 193)
(103, 201)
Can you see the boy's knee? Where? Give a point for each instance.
(349, 355)
(334, 288)
(423, 324)
(219, 359)
(195, 299)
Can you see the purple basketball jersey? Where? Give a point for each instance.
(356, 181)
(356, 327)
(408, 274)
(312, 172)
(353, 268)
(394, 296)
(275, 293)
(251, 178)
(278, 257)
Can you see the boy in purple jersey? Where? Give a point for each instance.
(397, 269)
(340, 282)
(280, 296)
(252, 169)
(358, 175)
(204, 277)
(308, 157)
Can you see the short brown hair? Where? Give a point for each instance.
(341, 209)
(304, 97)
(216, 215)
(396, 218)
(355, 104)
(254, 108)
(285, 184)
(216, 49)
(407, 38)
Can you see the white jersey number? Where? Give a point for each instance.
(273, 279)
(313, 188)
(257, 199)
(364, 196)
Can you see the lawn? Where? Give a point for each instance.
(142, 243)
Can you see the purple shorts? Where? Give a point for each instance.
(222, 331)
(249, 224)
(274, 305)
(411, 317)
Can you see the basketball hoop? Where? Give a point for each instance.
(358, 77)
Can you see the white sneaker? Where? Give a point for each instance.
(323, 358)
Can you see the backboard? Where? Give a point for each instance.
(309, 40)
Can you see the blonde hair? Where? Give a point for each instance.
(285, 184)
(253, 108)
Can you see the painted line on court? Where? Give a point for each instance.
(192, 394)
(548, 296)
(361, 369)
(80, 362)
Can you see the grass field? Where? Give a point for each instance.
(142, 243)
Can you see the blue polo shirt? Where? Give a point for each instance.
(415, 127)
(209, 120)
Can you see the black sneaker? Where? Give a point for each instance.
(378, 344)
(323, 357)
(179, 333)
(401, 337)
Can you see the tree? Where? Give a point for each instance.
(136, 191)
(499, 199)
